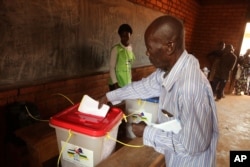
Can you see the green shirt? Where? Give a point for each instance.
(123, 66)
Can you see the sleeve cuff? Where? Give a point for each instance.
(112, 97)
(148, 136)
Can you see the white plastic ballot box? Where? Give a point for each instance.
(140, 110)
(82, 138)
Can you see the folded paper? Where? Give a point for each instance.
(170, 126)
(90, 106)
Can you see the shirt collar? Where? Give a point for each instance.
(174, 73)
(129, 45)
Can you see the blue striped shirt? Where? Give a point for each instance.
(185, 93)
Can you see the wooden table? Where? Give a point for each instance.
(134, 157)
(41, 142)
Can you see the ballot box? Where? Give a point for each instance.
(138, 110)
(85, 140)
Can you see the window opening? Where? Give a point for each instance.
(246, 40)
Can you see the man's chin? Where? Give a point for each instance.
(153, 64)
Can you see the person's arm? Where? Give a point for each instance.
(146, 88)
(197, 128)
(143, 89)
(112, 65)
(211, 57)
(234, 61)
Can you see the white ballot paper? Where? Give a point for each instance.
(173, 125)
(90, 106)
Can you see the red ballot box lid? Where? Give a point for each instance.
(72, 119)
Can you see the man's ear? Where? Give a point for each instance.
(169, 47)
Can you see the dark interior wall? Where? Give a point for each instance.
(207, 22)
(219, 22)
(186, 10)
(43, 41)
(48, 40)
(205, 25)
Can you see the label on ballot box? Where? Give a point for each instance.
(77, 155)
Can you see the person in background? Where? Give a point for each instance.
(121, 58)
(240, 79)
(185, 96)
(214, 58)
(225, 67)
(246, 70)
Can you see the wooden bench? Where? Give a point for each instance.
(41, 142)
(134, 157)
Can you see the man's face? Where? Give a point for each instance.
(156, 53)
(125, 36)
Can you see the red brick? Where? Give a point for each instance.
(31, 89)
(8, 93)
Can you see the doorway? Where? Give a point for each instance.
(246, 40)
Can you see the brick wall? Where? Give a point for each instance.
(206, 24)
(95, 85)
(216, 23)
(186, 10)
(52, 97)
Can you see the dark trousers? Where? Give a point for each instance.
(112, 87)
(218, 86)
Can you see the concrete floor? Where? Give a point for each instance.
(234, 125)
